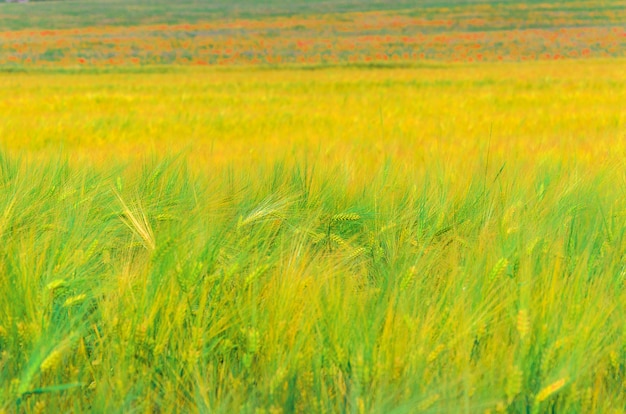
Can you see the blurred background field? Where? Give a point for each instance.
(313, 207)
(570, 110)
(108, 34)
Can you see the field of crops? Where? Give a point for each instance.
(314, 206)
(455, 33)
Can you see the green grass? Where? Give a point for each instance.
(74, 14)
(71, 14)
(300, 286)
(464, 274)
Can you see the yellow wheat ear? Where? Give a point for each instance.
(138, 223)
(550, 389)
(523, 323)
(346, 217)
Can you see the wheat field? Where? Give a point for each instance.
(412, 237)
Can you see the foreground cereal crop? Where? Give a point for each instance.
(312, 231)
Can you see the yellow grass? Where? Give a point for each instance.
(568, 110)
(424, 239)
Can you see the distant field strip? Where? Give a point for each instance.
(532, 111)
(456, 33)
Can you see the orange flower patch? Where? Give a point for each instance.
(477, 33)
